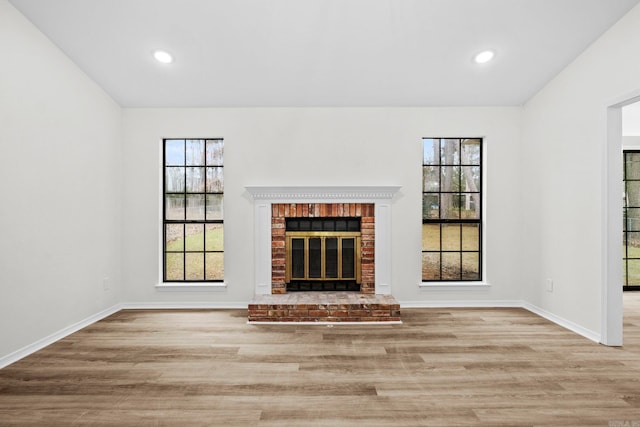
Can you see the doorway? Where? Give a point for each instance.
(631, 197)
(631, 219)
(612, 227)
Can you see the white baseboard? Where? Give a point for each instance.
(56, 336)
(567, 324)
(183, 305)
(461, 304)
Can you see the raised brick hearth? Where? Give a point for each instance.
(324, 307)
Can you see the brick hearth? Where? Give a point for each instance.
(324, 307)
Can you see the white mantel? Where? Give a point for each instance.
(265, 196)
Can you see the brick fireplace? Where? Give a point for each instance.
(280, 212)
(371, 206)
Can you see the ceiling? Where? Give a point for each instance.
(243, 53)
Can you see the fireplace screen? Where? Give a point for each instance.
(323, 254)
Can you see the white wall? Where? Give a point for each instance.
(60, 163)
(323, 146)
(631, 142)
(631, 120)
(564, 138)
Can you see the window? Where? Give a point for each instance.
(631, 227)
(193, 188)
(452, 209)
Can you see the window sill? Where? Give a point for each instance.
(452, 285)
(191, 287)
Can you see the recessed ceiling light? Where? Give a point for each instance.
(162, 56)
(484, 57)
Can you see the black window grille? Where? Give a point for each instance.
(193, 220)
(631, 223)
(452, 209)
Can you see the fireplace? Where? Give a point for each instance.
(323, 247)
(348, 229)
(275, 206)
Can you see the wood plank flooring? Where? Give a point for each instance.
(441, 367)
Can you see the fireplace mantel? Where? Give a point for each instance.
(265, 196)
(293, 194)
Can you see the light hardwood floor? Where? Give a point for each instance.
(441, 367)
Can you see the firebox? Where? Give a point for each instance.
(323, 254)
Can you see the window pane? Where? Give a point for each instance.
(471, 266)
(430, 178)
(194, 237)
(633, 244)
(450, 179)
(451, 266)
(174, 265)
(430, 237)
(470, 237)
(431, 151)
(194, 266)
(633, 269)
(431, 206)
(214, 206)
(214, 152)
(632, 222)
(215, 266)
(195, 152)
(471, 152)
(469, 205)
(174, 180)
(174, 237)
(632, 193)
(195, 180)
(174, 207)
(449, 206)
(174, 152)
(450, 152)
(470, 180)
(214, 237)
(215, 181)
(431, 266)
(195, 207)
(450, 237)
(632, 165)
